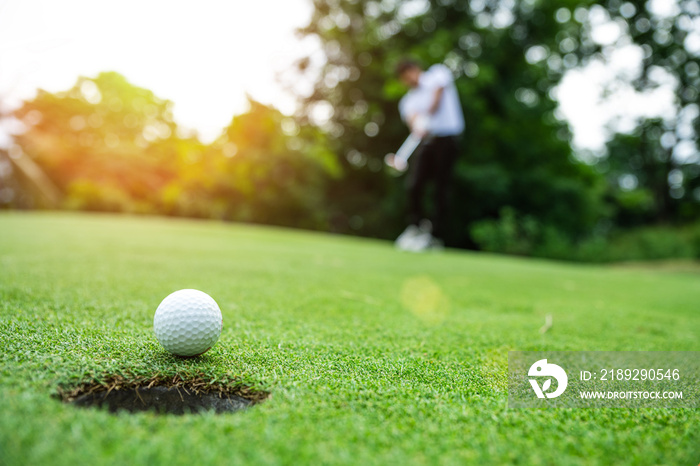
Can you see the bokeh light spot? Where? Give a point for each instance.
(90, 92)
(230, 149)
(33, 117)
(77, 123)
(425, 299)
(371, 129)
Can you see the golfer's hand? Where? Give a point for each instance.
(419, 132)
(419, 125)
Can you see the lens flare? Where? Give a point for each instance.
(425, 299)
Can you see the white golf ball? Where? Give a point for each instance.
(188, 322)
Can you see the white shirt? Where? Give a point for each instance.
(448, 119)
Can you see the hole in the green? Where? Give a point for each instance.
(172, 395)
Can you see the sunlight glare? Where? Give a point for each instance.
(205, 57)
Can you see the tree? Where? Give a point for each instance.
(101, 143)
(658, 158)
(111, 146)
(515, 153)
(271, 170)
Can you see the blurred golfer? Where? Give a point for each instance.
(432, 111)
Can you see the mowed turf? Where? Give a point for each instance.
(372, 356)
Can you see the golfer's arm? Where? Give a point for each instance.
(437, 97)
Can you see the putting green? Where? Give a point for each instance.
(372, 356)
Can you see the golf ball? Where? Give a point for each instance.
(188, 322)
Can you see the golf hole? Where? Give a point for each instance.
(162, 396)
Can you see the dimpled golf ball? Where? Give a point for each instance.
(188, 322)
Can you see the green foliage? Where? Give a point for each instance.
(103, 131)
(515, 151)
(650, 243)
(692, 233)
(112, 146)
(661, 156)
(507, 57)
(514, 233)
(638, 169)
(508, 234)
(634, 207)
(278, 173)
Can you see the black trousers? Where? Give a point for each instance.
(432, 162)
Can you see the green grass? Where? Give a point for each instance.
(372, 356)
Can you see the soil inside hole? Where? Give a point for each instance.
(169, 396)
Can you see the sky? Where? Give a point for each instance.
(594, 101)
(598, 97)
(204, 56)
(207, 58)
